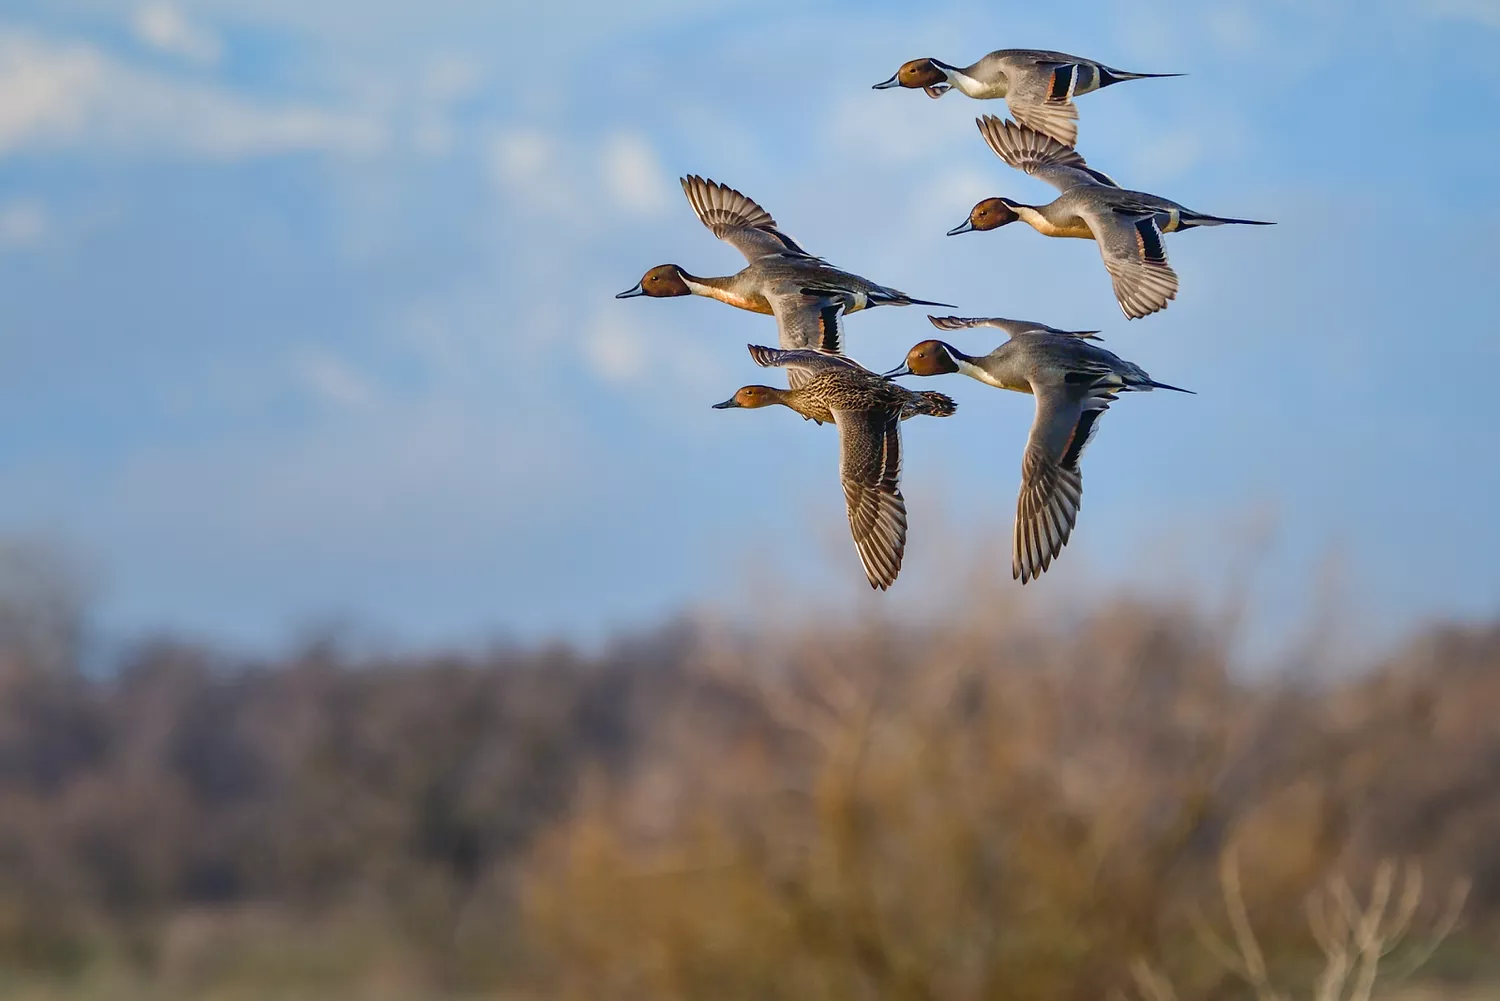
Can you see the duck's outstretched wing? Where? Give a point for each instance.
(1040, 96)
(1012, 328)
(1051, 482)
(738, 220)
(1039, 155)
(810, 360)
(870, 467)
(1136, 257)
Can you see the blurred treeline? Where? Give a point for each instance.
(986, 806)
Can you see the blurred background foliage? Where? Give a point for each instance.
(989, 805)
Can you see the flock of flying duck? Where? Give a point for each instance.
(1073, 379)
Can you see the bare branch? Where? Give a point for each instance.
(1239, 920)
(1352, 913)
(1457, 897)
(1331, 932)
(1218, 948)
(1411, 897)
(1152, 985)
(1326, 924)
(1367, 932)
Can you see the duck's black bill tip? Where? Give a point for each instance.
(728, 404)
(967, 226)
(898, 371)
(888, 84)
(631, 293)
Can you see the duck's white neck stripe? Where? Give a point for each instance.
(1028, 215)
(973, 371)
(963, 82)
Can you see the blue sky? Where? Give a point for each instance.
(307, 308)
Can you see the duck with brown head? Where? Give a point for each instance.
(1074, 381)
(920, 73)
(868, 411)
(662, 282)
(806, 294)
(931, 357)
(753, 398)
(992, 213)
(1037, 85)
(1127, 226)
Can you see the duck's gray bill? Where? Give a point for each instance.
(967, 226)
(728, 404)
(897, 371)
(892, 82)
(631, 293)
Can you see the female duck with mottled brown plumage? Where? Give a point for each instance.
(868, 411)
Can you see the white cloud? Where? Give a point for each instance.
(22, 224)
(522, 157)
(528, 164)
(899, 129)
(451, 78)
(443, 82)
(332, 381)
(43, 88)
(615, 350)
(162, 26)
(619, 177)
(633, 174)
(56, 94)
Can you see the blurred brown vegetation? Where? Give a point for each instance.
(984, 806)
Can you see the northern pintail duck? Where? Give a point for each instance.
(868, 411)
(1074, 382)
(1127, 225)
(1038, 86)
(806, 294)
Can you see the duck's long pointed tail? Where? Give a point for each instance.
(890, 297)
(1108, 76)
(1153, 384)
(1191, 219)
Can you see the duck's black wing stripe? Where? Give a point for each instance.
(1153, 248)
(1081, 435)
(828, 319)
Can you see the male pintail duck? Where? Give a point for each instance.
(1127, 225)
(868, 411)
(807, 295)
(1038, 86)
(1074, 382)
